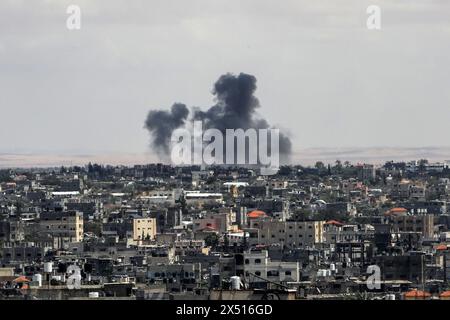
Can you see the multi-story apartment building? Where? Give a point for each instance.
(258, 267)
(403, 267)
(336, 232)
(290, 233)
(366, 172)
(399, 189)
(144, 229)
(418, 192)
(414, 223)
(218, 222)
(63, 227)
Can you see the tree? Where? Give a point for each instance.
(319, 166)
(244, 241)
(422, 165)
(94, 227)
(183, 204)
(212, 240)
(338, 166)
(285, 171)
(5, 176)
(90, 168)
(226, 241)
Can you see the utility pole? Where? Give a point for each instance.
(422, 260)
(445, 268)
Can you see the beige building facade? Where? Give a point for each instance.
(144, 229)
(63, 227)
(290, 233)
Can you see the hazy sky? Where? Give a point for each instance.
(321, 73)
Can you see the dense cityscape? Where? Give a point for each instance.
(159, 232)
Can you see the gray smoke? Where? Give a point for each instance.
(235, 108)
(161, 124)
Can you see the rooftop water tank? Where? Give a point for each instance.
(235, 283)
(124, 280)
(38, 278)
(48, 267)
(57, 278)
(321, 273)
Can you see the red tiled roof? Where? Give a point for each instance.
(21, 279)
(445, 294)
(417, 294)
(395, 211)
(256, 214)
(334, 222)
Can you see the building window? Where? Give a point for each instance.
(273, 273)
(257, 261)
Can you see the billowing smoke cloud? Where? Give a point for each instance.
(235, 108)
(161, 124)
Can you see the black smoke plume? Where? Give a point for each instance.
(161, 124)
(235, 108)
